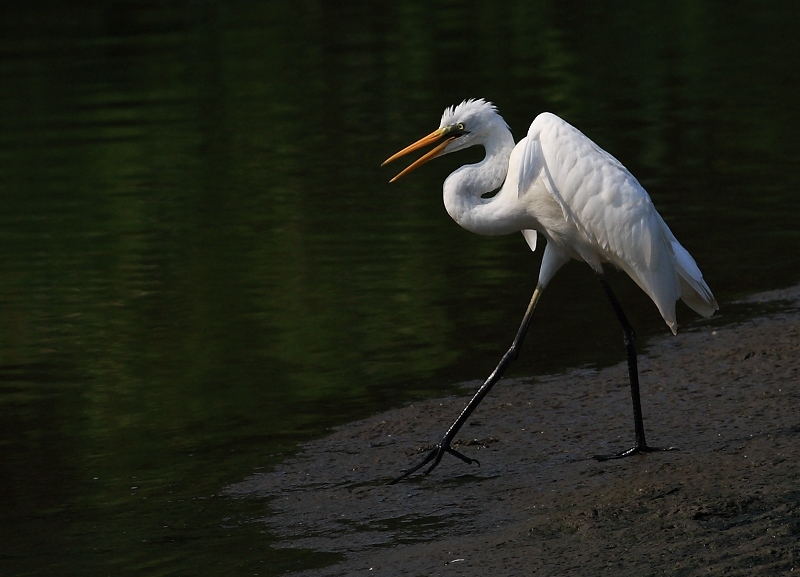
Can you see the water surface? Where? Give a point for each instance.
(202, 263)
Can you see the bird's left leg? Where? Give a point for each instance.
(511, 355)
(640, 446)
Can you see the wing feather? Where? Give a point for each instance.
(609, 215)
(613, 217)
(531, 163)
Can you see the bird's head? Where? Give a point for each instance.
(462, 126)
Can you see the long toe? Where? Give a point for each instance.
(635, 450)
(434, 455)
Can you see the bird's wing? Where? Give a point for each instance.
(612, 214)
(595, 191)
(531, 163)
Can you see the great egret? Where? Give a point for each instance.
(558, 183)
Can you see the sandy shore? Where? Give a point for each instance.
(726, 503)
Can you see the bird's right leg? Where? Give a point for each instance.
(511, 355)
(640, 444)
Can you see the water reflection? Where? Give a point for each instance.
(203, 264)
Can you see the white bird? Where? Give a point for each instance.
(559, 184)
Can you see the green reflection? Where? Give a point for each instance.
(203, 264)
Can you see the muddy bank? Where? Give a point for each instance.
(726, 503)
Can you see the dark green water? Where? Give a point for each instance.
(202, 264)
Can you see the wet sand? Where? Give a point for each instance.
(726, 503)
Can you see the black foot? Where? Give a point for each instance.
(434, 455)
(632, 451)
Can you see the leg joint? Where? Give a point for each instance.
(511, 354)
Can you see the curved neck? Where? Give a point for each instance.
(464, 187)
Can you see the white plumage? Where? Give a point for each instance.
(559, 184)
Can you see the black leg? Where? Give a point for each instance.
(443, 447)
(640, 446)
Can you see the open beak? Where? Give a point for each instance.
(432, 138)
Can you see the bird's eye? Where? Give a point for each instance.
(460, 126)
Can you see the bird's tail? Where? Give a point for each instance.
(694, 290)
(691, 287)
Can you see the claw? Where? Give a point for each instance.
(434, 455)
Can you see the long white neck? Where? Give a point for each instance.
(464, 187)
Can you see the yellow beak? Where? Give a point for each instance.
(432, 138)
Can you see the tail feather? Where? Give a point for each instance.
(694, 290)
